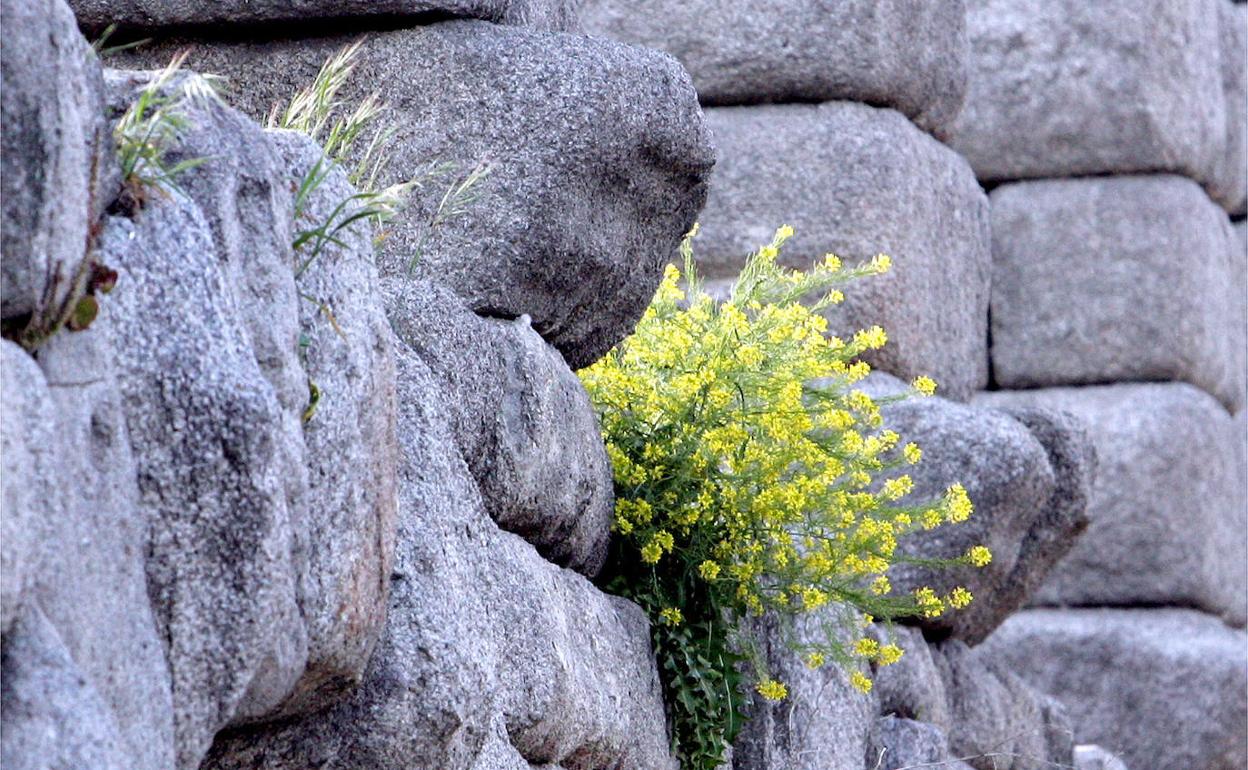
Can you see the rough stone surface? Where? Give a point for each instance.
(1071, 88)
(53, 718)
(1028, 476)
(906, 54)
(91, 582)
(1158, 687)
(1075, 261)
(911, 688)
(997, 721)
(349, 446)
(27, 452)
(54, 137)
(207, 430)
(95, 15)
(1167, 508)
(859, 181)
(1230, 180)
(480, 627)
(597, 151)
(824, 723)
(522, 420)
(896, 744)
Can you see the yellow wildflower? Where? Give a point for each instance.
(671, 616)
(860, 682)
(979, 556)
(925, 385)
(772, 690)
(959, 598)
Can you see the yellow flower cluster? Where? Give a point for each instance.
(751, 476)
(772, 690)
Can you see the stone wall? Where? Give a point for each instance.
(345, 513)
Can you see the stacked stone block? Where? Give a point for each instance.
(1113, 137)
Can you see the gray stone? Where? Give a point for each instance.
(1230, 180)
(906, 54)
(1093, 757)
(897, 744)
(858, 181)
(207, 430)
(479, 626)
(911, 688)
(53, 718)
(27, 452)
(1071, 88)
(1028, 476)
(998, 722)
(95, 15)
(1181, 546)
(91, 581)
(522, 420)
(349, 446)
(1158, 687)
(1075, 261)
(53, 143)
(823, 724)
(597, 151)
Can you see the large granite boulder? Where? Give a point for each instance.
(859, 181)
(1167, 508)
(522, 420)
(54, 150)
(1028, 474)
(597, 152)
(95, 15)
(1158, 687)
(482, 634)
(1076, 262)
(906, 54)
(1072, 88)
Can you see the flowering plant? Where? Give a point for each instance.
(751, 477)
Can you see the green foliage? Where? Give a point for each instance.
(319, 112)
(752, 478)
(151, 125)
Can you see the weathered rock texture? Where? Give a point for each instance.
(1167, 508)
(597, 152)
(906, 54)
(522, 420)
(1071, 88)
(1074, 263)
(1158, 687)
(54, 141)
(481, 631)
(1028, 473)
(859, 181)
(95, 15)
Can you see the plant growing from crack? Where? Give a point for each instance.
(320, 113)
(754, 480)
(142, 135)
